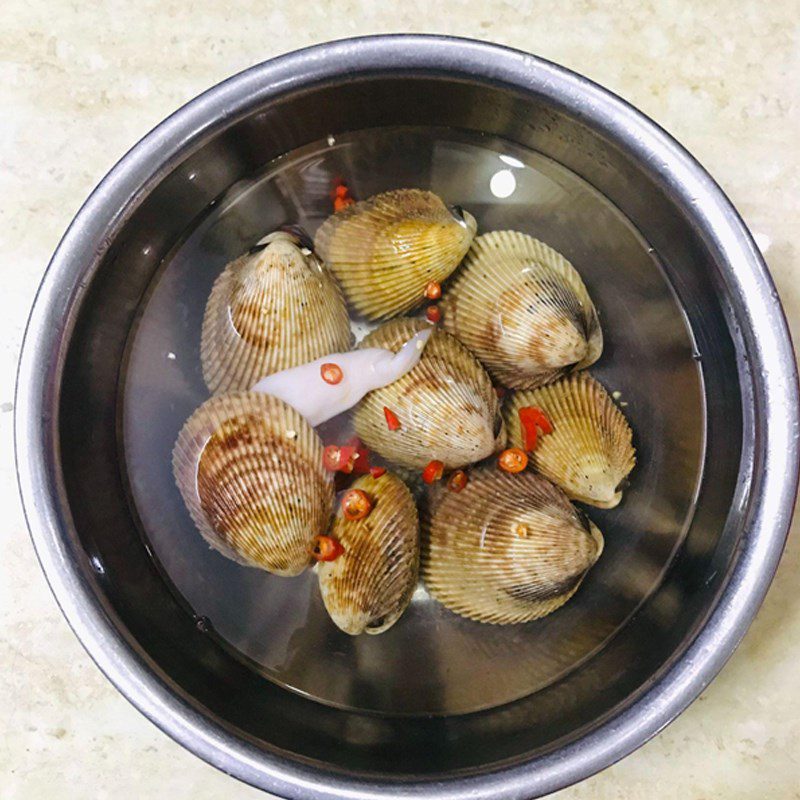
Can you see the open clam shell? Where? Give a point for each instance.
(507, 548)
(273, 308)
(446, 406)
(590, 453)
(249, 469)
(523, 309)
(385, 250)
(369, 586)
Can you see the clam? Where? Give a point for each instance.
(589, 453)
(273, 308)
(522, 308)
(445, 406)
(369, 585)
(249, 469)
(385, 250)
(507, 548)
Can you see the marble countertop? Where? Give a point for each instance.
(81, 82)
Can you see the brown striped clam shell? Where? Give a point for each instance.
(523, 309)
(369, 586)
(385, 250)
(273, 308)
(507, 548)
(446, 405)
(249, 469)
(590, 452)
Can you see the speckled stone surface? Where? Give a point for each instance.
(81, 82)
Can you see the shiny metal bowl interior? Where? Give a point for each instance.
(726, 507)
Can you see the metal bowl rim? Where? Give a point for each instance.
(753, 299)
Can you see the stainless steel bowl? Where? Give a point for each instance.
(722, 524)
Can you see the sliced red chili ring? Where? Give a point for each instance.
(356, 504)
(338, 459)
(433, 291)
(342, 202)
(331, 373)
(361, 463)
(326, 548)
(457, 480)
(512, 460)
(434, 314)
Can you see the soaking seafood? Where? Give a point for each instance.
(330, 385)
(506, 548)
(369, 584)
(273, 308)
(386, 250)
(249, 469)
(444, 409)
(589, 453)
(522, 308)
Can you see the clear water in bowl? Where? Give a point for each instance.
(432, 661)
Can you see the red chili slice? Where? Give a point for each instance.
(361, 458)
(342, 202)
(433, 291)
(356, 504)
(338, 459)
(433, 472)
(326, 548)
(457, 480)
(512, 460)
(532, 421)
(361, 464)
(341, 196)
(331, 373)
(391, 419)
(434, 314)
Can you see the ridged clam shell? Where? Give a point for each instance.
(523, 309)
(249, 468)
(590, 451)
(270, 310)
(386, 249)
(446, 405)
(507, 548)
(369, 586)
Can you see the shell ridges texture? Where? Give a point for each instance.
(590, 451)
(446, 405)
(507, 548)
(268, 311)
(523, 309)
(368, 587)
(386, 249)
(249, 469)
